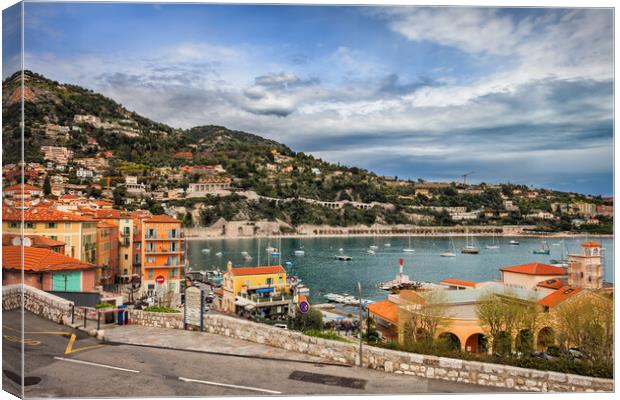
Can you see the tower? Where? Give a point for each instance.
(585, 270)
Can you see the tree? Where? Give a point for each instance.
(312, 320)
(422, 317)
(47, 186)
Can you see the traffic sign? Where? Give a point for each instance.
(160, 279)
(304, 306)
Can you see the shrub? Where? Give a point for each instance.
(326, 335)
(161, 309)
(103, 305)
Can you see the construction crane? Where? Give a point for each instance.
(465, 177)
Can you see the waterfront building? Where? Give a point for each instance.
(79, 233)
(261, 291)
(527, 276)
(162, 254)
(585, 270)
(107, 252)
(46, 270)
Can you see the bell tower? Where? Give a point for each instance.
(585, 270)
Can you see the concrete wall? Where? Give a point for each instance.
(495, 375)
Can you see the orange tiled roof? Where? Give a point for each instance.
(535, 269)
(103, 224)
(590, 244)
(384, 309)
(554, 283)
(41, 213)
(39, 260)
(559, 296)
(37, 241)
(459, 282)
(162, 218)
(275, 269)
(19, 188)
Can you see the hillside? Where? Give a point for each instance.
(93, 126)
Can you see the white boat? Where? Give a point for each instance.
(388, 245)
(373, 247)
(247, 257)
(494, 245)
(334, 297)
(270, 249)
(206, 251)
(409, 249)
(219, 254)
(244, 253)
(299, 252)
(469, 248)
(344, 258)
(448, 254)
(514, 243)
(371, 252)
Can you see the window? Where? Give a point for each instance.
(269, 281)
(67, 225)
(126, 257)
(280, 279)
(174, 273)
(150, 274)
(50, 225)
(13, 225)
(29, 225)
(150, 259)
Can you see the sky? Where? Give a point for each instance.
(521, 95)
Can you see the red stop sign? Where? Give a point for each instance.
(160, 279)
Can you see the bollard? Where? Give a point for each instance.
(72, 314)
(98, 320)
(84, 318)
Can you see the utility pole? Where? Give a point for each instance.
(359, 289)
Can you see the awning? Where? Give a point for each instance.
(264, 290)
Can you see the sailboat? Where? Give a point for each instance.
(562, 262)
(469, 248)
(493, 245)
(300, 251)
(409, 249)
(451, 252)
(544, 249)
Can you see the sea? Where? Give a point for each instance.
(322, 273)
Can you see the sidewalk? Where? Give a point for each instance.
(201, 342)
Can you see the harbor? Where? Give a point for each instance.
(323, 273)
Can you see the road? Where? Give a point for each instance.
(62, 362)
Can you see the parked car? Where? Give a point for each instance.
(281, 326)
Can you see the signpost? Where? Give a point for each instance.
(160, 279)
(361, 324)
(304, 306)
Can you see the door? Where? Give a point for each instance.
(67, 281)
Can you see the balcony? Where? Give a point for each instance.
(163, 251)
(177, 237)
(246, 288)
(276, 299)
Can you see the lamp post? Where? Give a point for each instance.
(359, 289)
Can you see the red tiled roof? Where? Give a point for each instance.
(384, 309)
(37, 241)
(41, 213)
(68, 196)
(590, 244)
(161, 218)
(535, 269)
(275, 269)
(39, 260)
(554, 283)
(559, 296)
(19, 187)
(108, 214)
(103, 224)
(458, 282)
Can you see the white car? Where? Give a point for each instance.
(281, 326)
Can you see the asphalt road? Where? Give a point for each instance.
(62, 362)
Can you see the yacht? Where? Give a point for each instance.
(494, 245)
(373, 247)
(409, 249)
(544, 249)
(469, 248)
(514, 243)
(388, 245)
(206, 251)
(451, 252)
(299, 252)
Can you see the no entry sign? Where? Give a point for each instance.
(160, 279)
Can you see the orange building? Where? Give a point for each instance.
(47, 270)
(107, 252)
(162, 254)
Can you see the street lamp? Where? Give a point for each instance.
(359, 289)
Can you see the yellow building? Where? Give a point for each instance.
(261, 291)
(79, 233)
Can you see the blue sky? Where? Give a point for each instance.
(516, 95)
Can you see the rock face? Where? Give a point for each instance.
(495, 375)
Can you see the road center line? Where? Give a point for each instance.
(96, 364)
(230, 386)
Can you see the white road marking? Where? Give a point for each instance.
(96, 364)
(254, 389)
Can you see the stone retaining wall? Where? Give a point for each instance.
(487, 374)
(37, 302)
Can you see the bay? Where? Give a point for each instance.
(323, 274)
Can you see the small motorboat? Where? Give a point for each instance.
(373, 247)
(371, 252)
(514, 243)
(388, 245)
(219, 254)
(244, 253)
(447, 254)
(407, 250)
(247, 257)
(299, 252)
(470, 250)
(206, 251)
(344, 258)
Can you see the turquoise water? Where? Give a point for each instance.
(323, 274)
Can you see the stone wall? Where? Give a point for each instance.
(36, 301)
(486, 374)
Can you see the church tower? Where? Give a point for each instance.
(585, 270)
